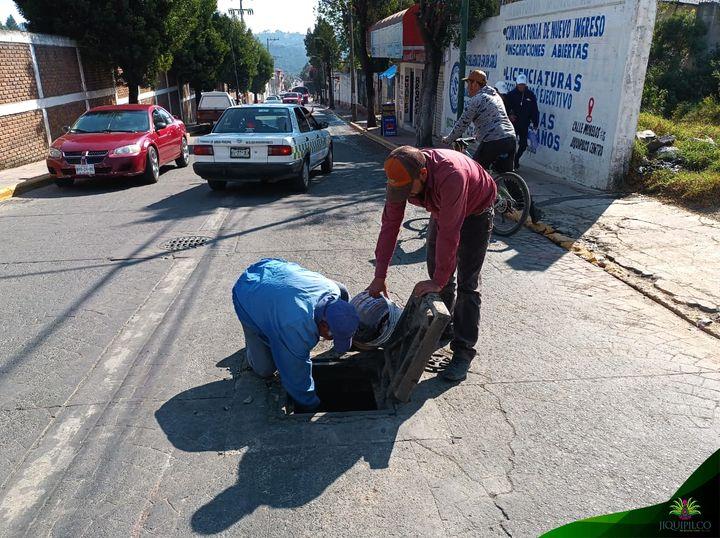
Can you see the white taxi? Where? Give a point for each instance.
(265, 142)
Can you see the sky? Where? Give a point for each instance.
(284, 15)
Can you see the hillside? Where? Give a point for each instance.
(289, 50)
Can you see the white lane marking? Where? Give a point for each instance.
(30, 486)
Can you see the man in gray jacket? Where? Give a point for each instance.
(493, 129)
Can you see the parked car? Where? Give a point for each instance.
(119, 140)
(292, 98)
(302, 90)
(273, 99)
(265, 142)
(212, 105)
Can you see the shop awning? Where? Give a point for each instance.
(389, 73)
(397, 37)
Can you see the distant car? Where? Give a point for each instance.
(267, 142)
(293, 98)
(119, 140)
(273, 99)
(302, 90)
(212, 105)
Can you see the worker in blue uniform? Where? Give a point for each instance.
(284, 309)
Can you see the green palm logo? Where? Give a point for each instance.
(685, 509)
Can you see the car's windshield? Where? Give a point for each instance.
(254, 120)
(214, 101)
(112, 121)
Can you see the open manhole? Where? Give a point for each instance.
(373, 381)
(184, 243)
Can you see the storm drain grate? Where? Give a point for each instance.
(438, 362)
(184, 243)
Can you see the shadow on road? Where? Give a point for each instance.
(281, 465)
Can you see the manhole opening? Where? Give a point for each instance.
(346, 386)
(184, 243)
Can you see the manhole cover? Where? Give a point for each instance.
(184, 243)
(438, 362)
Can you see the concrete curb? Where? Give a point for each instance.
(570, 244)
(25, 186)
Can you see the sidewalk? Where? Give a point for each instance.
(670, 254)
(14, 181)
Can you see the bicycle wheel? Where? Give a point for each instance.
(512, 205)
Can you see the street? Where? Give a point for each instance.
(125, 408)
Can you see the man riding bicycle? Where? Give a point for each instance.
(493, 129)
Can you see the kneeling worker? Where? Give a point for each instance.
(284, 309)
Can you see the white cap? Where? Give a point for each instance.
(521, 79)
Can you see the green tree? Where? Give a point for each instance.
(11, 24)
(205, 50)
(440, 26)
(139, 38)
(364, 14)
(265, 71)
(323, 50)
(241, 63)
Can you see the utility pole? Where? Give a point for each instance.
(464, 17)
(241, 11)
(353, 94)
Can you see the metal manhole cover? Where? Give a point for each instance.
(438, 362)
(184, 243)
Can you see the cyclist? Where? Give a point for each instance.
(493, 129)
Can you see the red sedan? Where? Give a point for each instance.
(119, 140)
(292, 98)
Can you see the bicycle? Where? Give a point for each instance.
(512, 205)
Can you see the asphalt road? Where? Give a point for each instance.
(124, 409)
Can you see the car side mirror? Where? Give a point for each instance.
(176, 117)
(66, 128)
(159, 126)
(323, 125)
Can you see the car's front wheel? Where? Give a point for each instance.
(217, 185)
(328, 163)
(302, 182)
(184, 159)
(152, 166)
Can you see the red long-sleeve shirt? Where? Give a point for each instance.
(456, 188)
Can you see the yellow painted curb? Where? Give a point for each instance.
(25, 186)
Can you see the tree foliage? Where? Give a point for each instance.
(323, 50)
(681, 70)
(138, 37)
(439, 22)
(265, 71)
(205, 50)
(241, 63)
(11, 24)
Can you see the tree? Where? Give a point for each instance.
(199, 60)
(241, 64)
(323, 50)
(11, 24)
(265, 71)
(365, 13)
(139, 38)
(439, 22)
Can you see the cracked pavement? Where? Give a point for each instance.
(123, 394)
(673, 252)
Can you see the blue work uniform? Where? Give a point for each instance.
(276, 299)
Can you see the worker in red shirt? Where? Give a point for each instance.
(459, 195)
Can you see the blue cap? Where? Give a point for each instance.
(343, 320)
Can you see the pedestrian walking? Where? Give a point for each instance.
(459, 194)
(523, 110)
(284, 309)
(493, 130)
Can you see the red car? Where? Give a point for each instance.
(292, 98)
(119, 140)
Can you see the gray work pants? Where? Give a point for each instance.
(465, 308)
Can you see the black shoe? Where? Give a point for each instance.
(457, 370)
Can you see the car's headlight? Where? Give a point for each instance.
(132, 149)
(54, 153)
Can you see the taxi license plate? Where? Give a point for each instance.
(239, 153)
(85, 169)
